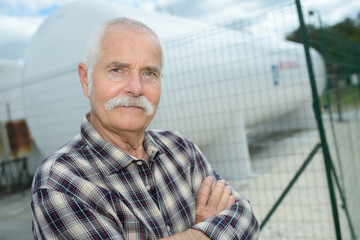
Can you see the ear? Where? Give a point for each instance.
(82, 71)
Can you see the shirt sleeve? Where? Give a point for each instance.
(235, 222)
(58, 216)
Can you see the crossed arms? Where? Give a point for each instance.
(208, 204)
(76, 198)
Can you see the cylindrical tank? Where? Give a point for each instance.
(10, 91)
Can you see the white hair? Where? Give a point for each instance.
(93, 48)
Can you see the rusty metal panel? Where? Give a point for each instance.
(16, 140)
(4, 143)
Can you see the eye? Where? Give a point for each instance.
(148, 75)
(118, 73)
(118, 70)
(123, 71)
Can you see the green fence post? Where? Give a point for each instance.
(290, 185)
(317, 110)
(342, 195)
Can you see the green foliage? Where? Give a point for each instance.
(350, 28)
(339, 44)
(349, 98)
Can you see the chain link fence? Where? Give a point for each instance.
(243, 94)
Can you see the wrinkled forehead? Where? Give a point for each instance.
(127, 38)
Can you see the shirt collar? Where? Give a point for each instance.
(150, 146)
(111, 156)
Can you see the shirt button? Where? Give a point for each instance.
(148, 187)
(139, 163)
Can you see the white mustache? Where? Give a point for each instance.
(127, 101)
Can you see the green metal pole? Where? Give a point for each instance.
(317, 110)
(290, 185)
(342, 195)
(357, 62)
(323, 52)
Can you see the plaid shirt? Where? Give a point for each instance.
(90, 189)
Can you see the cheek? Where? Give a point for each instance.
(154, 95)
(104, 91)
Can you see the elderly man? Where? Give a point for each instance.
(117, 180)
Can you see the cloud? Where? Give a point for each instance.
(29, 7)
(19, 19)
(334, 11)
(190, 8)
(346, 9)
(13, 47)
(16, 33)
(26, 25)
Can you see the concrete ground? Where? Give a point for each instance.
(15, 216)
(306, 211)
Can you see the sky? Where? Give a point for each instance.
(19, 19)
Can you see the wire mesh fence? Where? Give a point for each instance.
(261, 83)
(242, 93)
(341, 113)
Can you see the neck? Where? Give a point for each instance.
(129, 142)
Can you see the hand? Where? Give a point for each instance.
(219, 199)
(207, 206)
(188, 234)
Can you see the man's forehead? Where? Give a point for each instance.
(110, 61)
(115, 35)
(118, 40)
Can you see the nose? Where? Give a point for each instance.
(134, 86)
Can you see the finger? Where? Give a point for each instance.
(216, 194)
(231, 201)
(224, 200)
(204, 192)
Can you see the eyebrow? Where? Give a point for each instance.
(152, 69)
(117, 65)
(121, 65)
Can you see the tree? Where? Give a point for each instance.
(339, 44)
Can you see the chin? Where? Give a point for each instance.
(132, 124)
